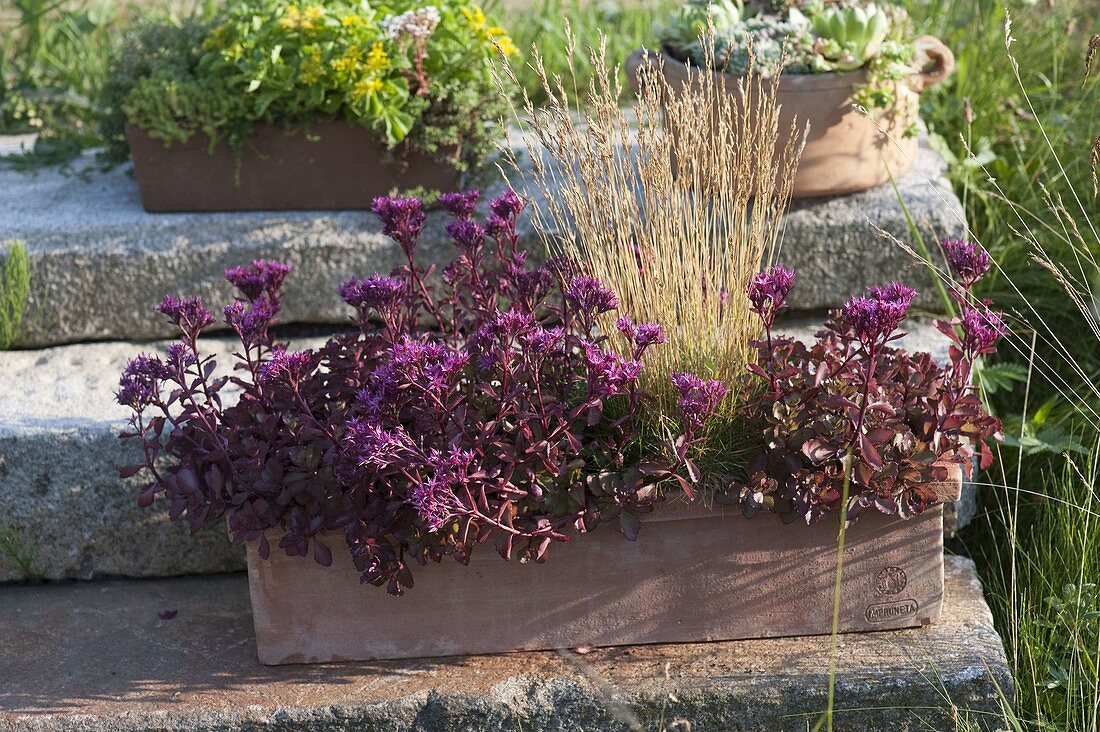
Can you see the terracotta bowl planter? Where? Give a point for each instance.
(845, 151)
(332, 165)
(694, 574)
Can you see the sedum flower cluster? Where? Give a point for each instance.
(406, 70)
(478, 403)
(852, 405)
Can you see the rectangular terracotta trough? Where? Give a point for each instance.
(326, 166)
(694, 574)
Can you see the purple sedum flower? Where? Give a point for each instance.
(461, 204)
(895, 293)
(610, 373)
(981, 329)
(875, 316)
(768, 292)
(261, 278)
(250, 321)
(507, 205)
(968, 260)
(642, 335)
(140, 383)
(186, 313)
(180, 357)
(374, 292)
(376, 448)
(590, 296)
(286, 367)
(699, 399)
(468, 236)
(402, 218)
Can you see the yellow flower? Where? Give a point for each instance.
(291, 18)
(310, 70)
(500, 38)
(314, 13)
(474, 16)
(377, 58)
(365, 87)
(352, 21)
(504, 43)
(349, 62)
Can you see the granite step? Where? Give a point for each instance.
(100, 263)
(179, 655)
(60, 455)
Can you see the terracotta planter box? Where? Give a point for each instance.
(845, 151)
(332, 165)
(694, 574)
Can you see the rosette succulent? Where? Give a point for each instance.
(811, 37)
(850, 36)
(688, 23)
(806, 37)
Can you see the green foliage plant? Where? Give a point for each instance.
(416, 75)
(52, 61)
(14, 286)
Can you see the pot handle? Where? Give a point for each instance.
(940, 60)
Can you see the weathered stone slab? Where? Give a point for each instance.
(60, 455)
(105, 656)
(59, 485)
(101, 263)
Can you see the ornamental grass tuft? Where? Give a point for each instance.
(673, 201)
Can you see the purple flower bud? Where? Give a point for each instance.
(590, 296)
(768, 292)
(186, 313)
(435, 501)
(981, 329)
(497, 226)
(462, 204)
(532, 285)
(469, 236)
(285, 367)
(139, 385)
(968, 260)
(875, 316)
(508, 205)
(609, 373)
(649, 334)
(642, 335)
(180, 357)
(896, 293)
(543, 342)
(402, 218)
(371, 446)
(380, 293)
(262, 277)
(251, 321)
(699, 399)
(495, 337)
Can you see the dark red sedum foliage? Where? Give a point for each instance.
(901, 417)
(485, 408)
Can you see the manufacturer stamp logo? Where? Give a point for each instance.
(891, 581)
(887, 611)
